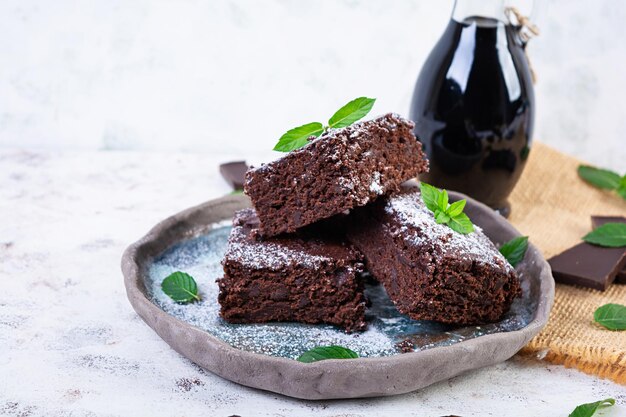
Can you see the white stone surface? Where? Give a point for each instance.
(71, 345)
(192, 83)
(232, 75)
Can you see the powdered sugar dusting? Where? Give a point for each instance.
(420, 228)
(375, 186)
(201, 258)
(269, 255)
(346, 183)
(357, 187)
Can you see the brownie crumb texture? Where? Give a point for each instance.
(429, 271)
(342, 169)
(405, 346)
(290, 278)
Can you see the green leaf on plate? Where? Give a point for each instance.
(298, 137)
(611, 235)
(515, 249)
(589, 409)
(351, 112)
(321, 353)
(180, 287)
(611, 316)
(601, 178)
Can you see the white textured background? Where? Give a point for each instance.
(220, 79)
(230, 76)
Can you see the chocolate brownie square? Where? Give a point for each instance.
(342, 169)
(310, 277)
(431, 272)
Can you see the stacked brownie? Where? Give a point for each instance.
(430, 271)
(340, 170)
(284, 263)
(310, 277)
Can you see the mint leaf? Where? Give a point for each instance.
(180, 287)
(461, 224)
(456, 208)
(345, 116)
(298, 136)
(442, 200)
(611, 235)
(351, 112)
(611, 316)
(601, 178)
(236, 192)
(441, 217)
(321, 353)
(589, 409)
(436, 200)
(430, 195)
(515, 249)
(621, 190)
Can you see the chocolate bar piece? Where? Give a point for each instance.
(588, 265)
(597, 221)
(234, 173)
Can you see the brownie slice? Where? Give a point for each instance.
(340, 170)
(310, 278)
(430, 271)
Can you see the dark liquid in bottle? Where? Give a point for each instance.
(473, 107)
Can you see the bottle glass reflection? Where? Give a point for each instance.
(473, 105)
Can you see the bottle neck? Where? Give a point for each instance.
(465, 10)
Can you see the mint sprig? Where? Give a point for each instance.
(515, 249)
(321, 353)
(589, 409)
(436, 200)
(351, 112)
(180, 287)
(611, 316)
(612, 235)
(298, 136)
(603, 178)
(345, 116)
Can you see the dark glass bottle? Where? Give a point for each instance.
(473, 105)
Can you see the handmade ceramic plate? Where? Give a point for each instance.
(263, 355)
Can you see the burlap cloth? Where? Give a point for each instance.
(553, 206)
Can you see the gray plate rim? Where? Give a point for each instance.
(330, 379)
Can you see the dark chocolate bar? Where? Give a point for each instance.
(234, 173)
(597, 221)
(588, 265)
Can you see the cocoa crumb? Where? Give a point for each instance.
(405, 346)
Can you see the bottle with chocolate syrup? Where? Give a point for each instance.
(474, 105)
